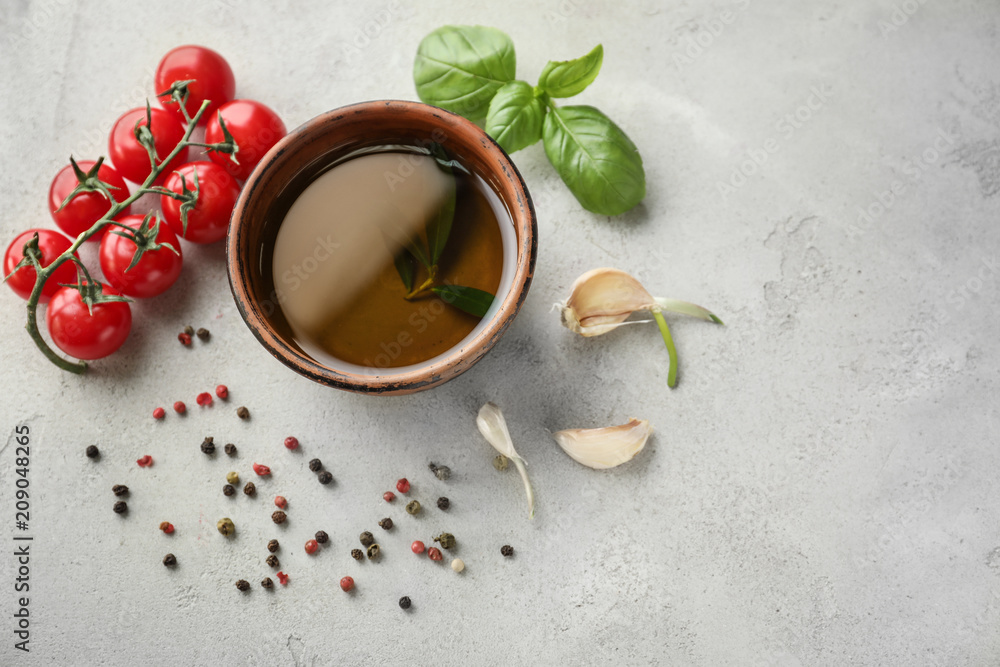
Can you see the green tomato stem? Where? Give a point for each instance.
(671, 350)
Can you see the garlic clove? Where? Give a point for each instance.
(493, 426)
(602, 299)
(606, 447)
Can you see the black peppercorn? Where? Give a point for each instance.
(242, 413)
(119, 489)
(357, 554)
(446, 540)
(230, 449)
(208, 445)
(443, 503)
(404, 602)
(228, 490)
(315, 465)
(507, 550)
(121, 507)
(243, 585)
(322, 537)
(169, 560)
(249, 489)
(324, 477)
(272, 546)
(373, 551)
(272, 560)
(385, 523)
(92, 452)
(278, 516)
(203, 333)
(367, 539)
(267, 583)
(189, 330)
(441, 472)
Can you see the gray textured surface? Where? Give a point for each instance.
(821, 488)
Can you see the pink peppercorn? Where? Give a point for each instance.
(346, 584)
(180, 408)
(261, 470)
(222, 391)
(144, 461)
(282, 578)
(291, 443)
(204, 398)
(311, 546)
(417, 547)
(403, 485)
(388, 496)
(167, 527)
(159, 413)
(280, 502)
(434, 553)
(184, 338)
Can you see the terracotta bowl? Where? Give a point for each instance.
(295, 160)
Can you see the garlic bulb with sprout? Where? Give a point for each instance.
(493, 426)
(602, 300)
(606, 447)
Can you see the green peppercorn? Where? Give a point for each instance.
(228, 490)
(500, 462)
(325, 477)
(278, 516)
(119, 489)
(243, 585)
(357, 554)
(385, 523)
(233, 478)
(507, 550)
(208, 446)
(373, 551)
(226, 526)
(315, 465)
(322, 537)
(443, 503)
(189, 330)
(249, 489)
(446, 540)
(441, 472)
(367, 539)
(169, 560)
(230, 449)
(242, 413)
(272, 546)
(92, 452)
(404, 602)
(413, 507)
(272, 560)
(267, 583)
(120, 507)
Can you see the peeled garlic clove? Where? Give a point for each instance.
(605, 447)
(493, 426)
(602, 299)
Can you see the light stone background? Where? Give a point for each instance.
(821, 489)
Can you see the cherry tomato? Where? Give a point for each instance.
(208, 221)
(254, 127)
(155, 272)
(213, 79)
(87, 207)
(127, 153)
(84, 334)
(51, 244)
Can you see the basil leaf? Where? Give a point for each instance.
(595, 158)
(515, 116)
(570, 77)
(471, 300)
(440, 226)
(406, 267)
(459, 68)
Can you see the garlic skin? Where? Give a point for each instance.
(493, 426)
(608, 447)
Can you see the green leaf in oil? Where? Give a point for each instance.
(471, 300)
(406, 266)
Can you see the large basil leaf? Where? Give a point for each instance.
(570, 77)
(595, 158)
(515, 116)
(460, 68)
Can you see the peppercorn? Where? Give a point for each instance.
(282, 578)
(179, 407)
(261, 469)
(291, 443)
(226, 526)
(385, 523)
(388, 496)
(203, 333)
(119, 489)
(249, 489)
(228, 490)
(272, 546)
(367, 539)
(357, 554)
(373, 551)
(230, 449)
(92, 452)
(417, 547)
(233, 477)
(121, 507)
(443, 503)
(203, 399)
(242, 413)
(222, 391)
(434, 553)
(446, 540)
(500, 462)
(144, 461)
(458, 565)
(413, 507)
(189, 330)
(315, 465)
(208, 445)
(167, 527)
(404, 602)
(243, 585)
(272, 560)
(441, 472)
(403, 485)
(169, 560)
(311, 546)
(325, 477)
(184, 338)
(346, 584)
(322, 537)
(267, 583)
(507, 550)
(159, 413)
(278, 516)
(280, 502)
